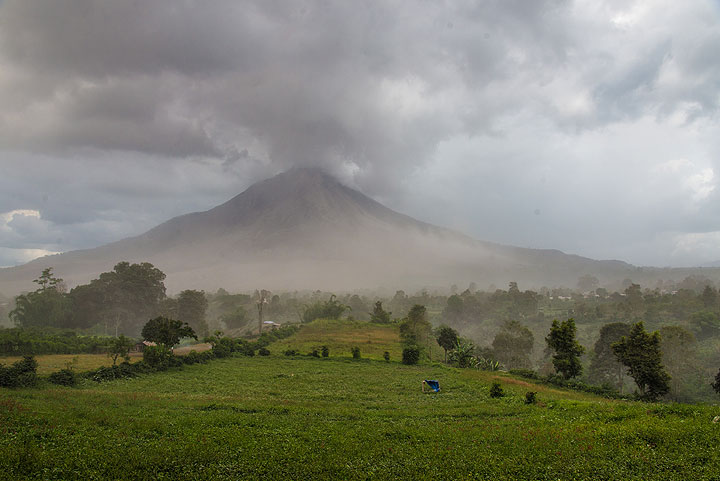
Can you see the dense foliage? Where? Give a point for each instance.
(640, 353)
(567, 351)
(22, 373)
(167, 332)
(17, 341)
(330, 309)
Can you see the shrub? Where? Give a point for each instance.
(264, 351)
(118, 371)
(291, 352)
(496, 390)
(22, 373)
(315, 353)
(223, 347)
(486, 364)
(63, 377)
(325, 351)
(386, 356)
(244, 347)
(159, 357)
(526, 373)
(192, 357)
(355, 352)
(530, 397)
(410, 355)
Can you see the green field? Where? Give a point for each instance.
(306, 418)
(341, 336)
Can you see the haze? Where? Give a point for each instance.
(585, 126)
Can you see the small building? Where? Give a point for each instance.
(140, 346)
(270, 325)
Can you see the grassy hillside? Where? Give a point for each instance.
(306, 418)
(341, 335)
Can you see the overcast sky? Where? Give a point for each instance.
(588, 126)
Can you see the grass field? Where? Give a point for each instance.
(305, 418)
(48, 363)
(341, 336)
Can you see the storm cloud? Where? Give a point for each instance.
(580, 125)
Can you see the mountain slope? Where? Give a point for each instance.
(303, 229)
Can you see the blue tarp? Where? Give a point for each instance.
(435, 385)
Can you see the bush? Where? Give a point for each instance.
(192, 357)
(410, 355)
(48, 340)
(63, 377)
(291, 352)
(22, 373)
(223, 347)
(119, 371)
(325, 351)
(526, 373)
(530, 397)
(386, 356)
(264, 351)
(159, 357)
(355, 352)
(315, 353)
(496, 390)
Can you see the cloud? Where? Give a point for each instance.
(117, 115)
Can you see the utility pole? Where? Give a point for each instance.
(261, 296)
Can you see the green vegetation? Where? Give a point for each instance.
(282, 418)
(340, 336)
(46, 340)
(167, 332)
(567, 351)
(49, 363)
(277, 417)
(640, 352)
(330, 309)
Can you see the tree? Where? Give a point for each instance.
(330, 309)
(120, 347)
(191, 308)
(261, 298)
(640, 353)
(561, 340)
(679, 357)
(46, 306)
(513, 345)
(716, 384)
(87, 302)
(236, 319)
(357, 306)
(709, 297)
(122, 297)
(633, 303)
(454, 309)
(463, 355)
(447, 338)
(415, 330)
(605, 367)
(167, 332)
(379, 314)
(705, 324)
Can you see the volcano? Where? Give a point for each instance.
(303, 229)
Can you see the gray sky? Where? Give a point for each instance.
(591, 127)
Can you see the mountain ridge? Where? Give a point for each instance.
(304, 229)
